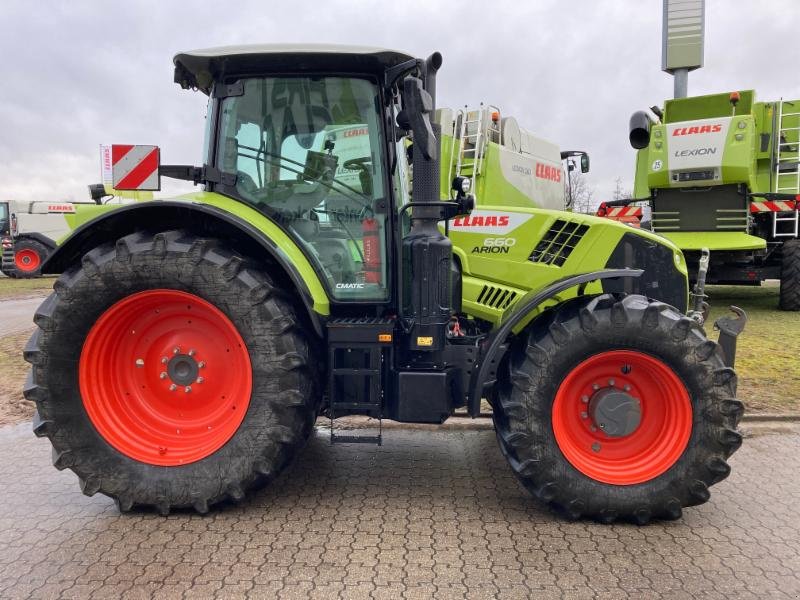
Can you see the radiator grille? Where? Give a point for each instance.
(496, 297)
(558, 243)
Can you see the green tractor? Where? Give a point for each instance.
(190, 344)
(722, 172)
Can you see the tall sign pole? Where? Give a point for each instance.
(682, 40)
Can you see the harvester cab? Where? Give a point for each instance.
(5, 219)
(314, 276)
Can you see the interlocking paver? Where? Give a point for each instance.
(428, 515)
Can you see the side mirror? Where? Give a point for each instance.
(97, 191)
(417, 106)
(584, 163)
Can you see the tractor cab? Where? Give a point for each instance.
(308, 144)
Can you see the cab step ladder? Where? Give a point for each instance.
(787, 166)
(359, 351)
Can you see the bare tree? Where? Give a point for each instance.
(579, 193)
(620, 192)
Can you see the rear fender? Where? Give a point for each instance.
(253, 235)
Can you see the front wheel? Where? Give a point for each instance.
(617, 408)
(169, 373)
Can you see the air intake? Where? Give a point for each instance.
(558, 243)
(496, 296)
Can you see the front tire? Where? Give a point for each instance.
(790, 276)
(169, 373)
(574, 367)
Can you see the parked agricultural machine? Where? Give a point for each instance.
(190, 344)
(30, 231)
(722, 172)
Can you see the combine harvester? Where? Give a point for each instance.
(720, 173)
(191, 343)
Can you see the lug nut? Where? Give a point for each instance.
(187, 389)
(199, 380)
(191, 352)
(176, 349)
(173, 387)
(626, 387)
(584, 415)
(596, 447)
(201, 364)
(163, 375)
(585, 399)
(139, 363)
(164, 360)
(611, 382)
(595, 387)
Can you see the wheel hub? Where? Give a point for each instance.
(183, 369)
(615, 412)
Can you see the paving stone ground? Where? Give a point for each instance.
(428, 515)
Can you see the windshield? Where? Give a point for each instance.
(307, 152)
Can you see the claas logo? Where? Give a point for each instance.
(481, 221)
(548, 172)
(697, 129)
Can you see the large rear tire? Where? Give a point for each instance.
(790, 276)
(574, 367)
(29, 255)
(167, 372)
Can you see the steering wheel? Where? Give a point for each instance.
(358, 164)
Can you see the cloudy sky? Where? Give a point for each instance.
(79, 74)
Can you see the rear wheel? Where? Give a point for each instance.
(790, 276)
(168, 373)
(617, 408)
(28, 258)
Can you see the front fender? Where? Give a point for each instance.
(494, 346)
(243, 228)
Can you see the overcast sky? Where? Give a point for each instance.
(79, 74)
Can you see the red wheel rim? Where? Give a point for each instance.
(27, 259)
(165, 377)
(651, 448)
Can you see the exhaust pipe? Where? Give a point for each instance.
(639, 130)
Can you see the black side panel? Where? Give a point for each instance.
(660, 280)
(425, 396)
(718, 208)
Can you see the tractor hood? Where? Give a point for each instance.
(200, 68)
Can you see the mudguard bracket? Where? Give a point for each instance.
(729, 329)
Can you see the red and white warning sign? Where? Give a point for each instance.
(135, 167)
(775, 206)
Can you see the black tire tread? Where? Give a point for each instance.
(523, 405)
(190, 264)
(790, 276)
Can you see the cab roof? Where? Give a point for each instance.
(201, 68)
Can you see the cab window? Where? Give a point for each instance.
(308, 153)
